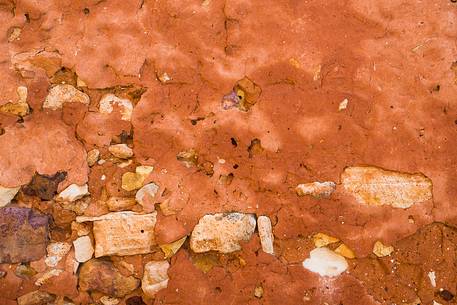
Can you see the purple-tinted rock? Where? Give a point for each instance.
(23, 235)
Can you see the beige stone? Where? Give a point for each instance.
(92, 156)
(149, 190)
(322, 240)
(73, 192)
(155, 277)
(109, 101)
(121, 151)
(316, 189)
(222, 232)
(55, 252)
(374, 186)
(120, 203)
(64, 93)
(325, 262)
(266, 234)
(122, 233)
(381, 250)
(144, 170)
(7, 194)
(106, 300)
(83, 249)
(35, 298)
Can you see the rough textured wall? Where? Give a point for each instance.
(142, 141)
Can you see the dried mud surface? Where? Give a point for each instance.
(235, 103)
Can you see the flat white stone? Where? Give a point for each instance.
(83, 249)
(108, 101)
(7, 194)
(325, 262)
(64, 93)
(155, 277)
(73, 192)
(222, 232)
(266, 234)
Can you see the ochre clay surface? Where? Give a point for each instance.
(235, 104)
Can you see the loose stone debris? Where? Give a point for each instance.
(374, 186)
(222, 232)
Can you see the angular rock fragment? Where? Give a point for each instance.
(244, 95)
(121, 151)
(133, 181)
(148, 191)
(7, 194)
(83, 249)
(374, 186)
(322, 240)
(44, 186)
(92, 156)
(122, 233)
(325, 262)
(23, 235)
(73, 192)
(102, 276)
(170, 249)
(155, 277)
(48, 276)
(36, 298)
(56, 251)
(188, 157)
(222, 232)
(266, 234)
(345, 251)
(316, 189)
(381, 250)
(109, 101)
(119, 203)
(64, 93)
(20, 107)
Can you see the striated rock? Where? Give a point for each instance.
(7, 194)
(64, 93)
(20, 107)
(222, 232)
(147, 192)
(73, 192)
(23, 235)
(316, 189)
(56, 251)
(109, 101)
(102, 276)
(381, 250)
(266, 234)
(121, 151)
(36, 298)
(155, 277)
(44, 186)
(325, 262)
(170, 249)
(122, 233)
(83, 249)
(375, 186)
(119, 203)
(92, 156)
(322, 240)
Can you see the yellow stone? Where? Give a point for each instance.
(132, 181)
(381, 250)
(345, 251)
(322, 240)
(170, 249)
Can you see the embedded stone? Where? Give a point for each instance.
(64, 93)
(322, 240)
(316, 189)
(109, 101)
(375, 186)
(325, 262)
(155, 277)
(121, 151)
(122, 233)
(7, 194)
(83, 249)
(381, 250)
(73, 192)
(120, 203)
(92, 156)
(101, 276)
(266, 234)
(56, 251)
(23, 235)
(36, 298)
(148, 191)
(222, 232)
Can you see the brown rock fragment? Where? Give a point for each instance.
(44, 186)
(188, 157)
(36, 298)
(374, 186)
(102, 276)
(244, 95)
(255, 148)
(23, 235)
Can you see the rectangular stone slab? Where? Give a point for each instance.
(122, 233)
(23, 235)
